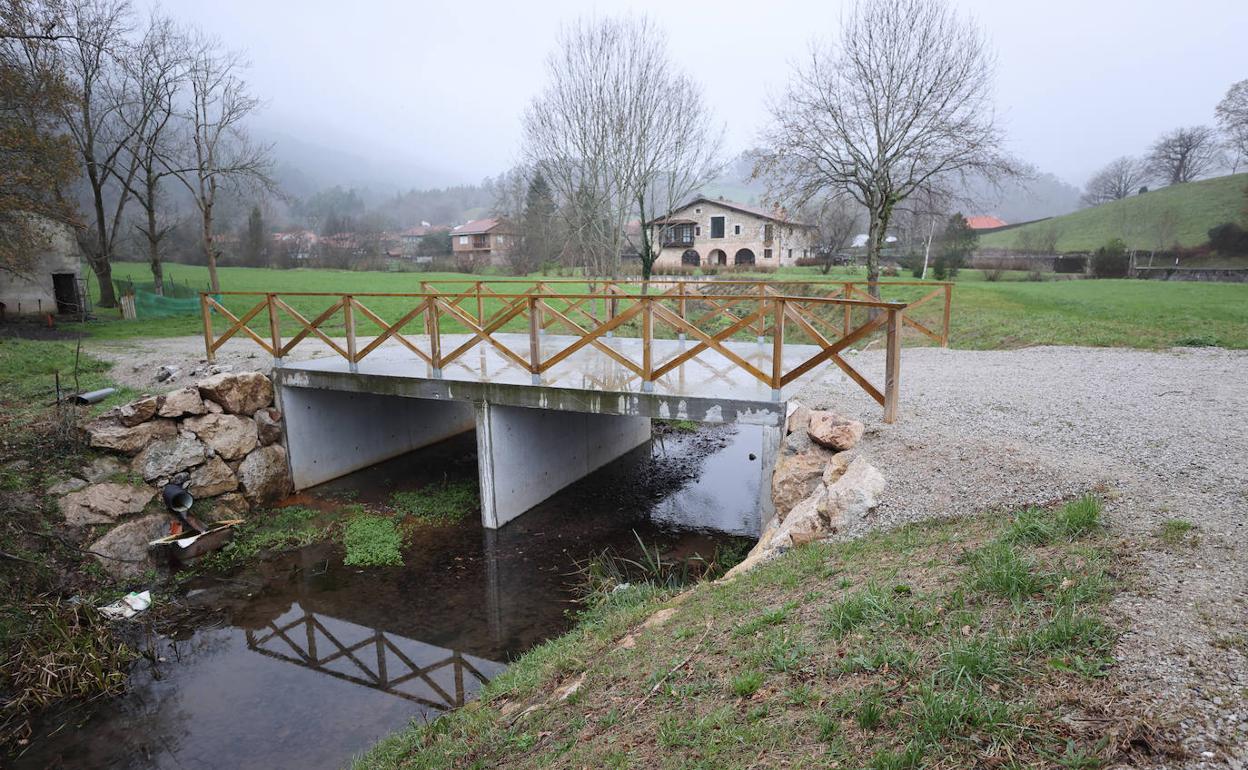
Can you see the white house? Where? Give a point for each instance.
(709, 231)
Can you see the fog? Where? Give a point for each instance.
(418, 94)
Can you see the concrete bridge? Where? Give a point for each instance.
(549, 408)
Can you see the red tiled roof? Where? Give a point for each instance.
(478, 226)
(984, 223)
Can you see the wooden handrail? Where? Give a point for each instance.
(767, 310)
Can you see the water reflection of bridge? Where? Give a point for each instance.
(434, 677)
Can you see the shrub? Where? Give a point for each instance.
(1229, 239)
(1110, 260)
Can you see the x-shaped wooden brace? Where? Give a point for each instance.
(240, 324)
(312, 327)
(392, 330)
(832, 351)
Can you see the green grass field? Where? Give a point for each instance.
(986, 315)
(1196, 206)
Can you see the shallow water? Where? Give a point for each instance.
(302, 662)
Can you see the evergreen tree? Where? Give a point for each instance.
(538, 243)
(255, 247)
(956, 245)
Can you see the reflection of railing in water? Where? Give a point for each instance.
(371, 660)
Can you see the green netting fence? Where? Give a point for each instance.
(178, 299)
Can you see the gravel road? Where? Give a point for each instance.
(1163, 435)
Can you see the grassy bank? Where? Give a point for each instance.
(1194, 207)
(942, 644)
(986, 315)
(51, 648)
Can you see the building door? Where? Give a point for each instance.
(691, 257)
(65, 290)
(717, 257)
(743, 257)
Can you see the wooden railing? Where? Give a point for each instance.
(710, 319)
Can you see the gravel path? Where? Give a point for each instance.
(1164, 434)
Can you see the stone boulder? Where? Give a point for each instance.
(228, 435)
(212, 478)
(104, 503)
(238, 392)
(182, 402)
(795, 477)
(806, 522)
(231, 505)
(65, 486)
(138, 412)
(798, 419)
(123, 551)
(833, 431)
(265, 475)
(109, 433)
(269, 425)
(161, 459)
(102, 468)
(212, 407)
(854, 495)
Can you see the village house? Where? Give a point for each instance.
(709, 231)
(482, 241)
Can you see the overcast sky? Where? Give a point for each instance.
(443, 84)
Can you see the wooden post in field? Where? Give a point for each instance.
(944, 332)
(348, 320)
(275, 332)
(206, 311)
(777, 349)
(892, 365)
(535, 348)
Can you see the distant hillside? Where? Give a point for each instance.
(1155, 220)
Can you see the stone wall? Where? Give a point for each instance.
(221, 439)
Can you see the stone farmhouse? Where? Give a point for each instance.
(52, 281)
(708, 231)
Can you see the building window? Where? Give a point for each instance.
(463, 240)
(697, 231)
(767, 232)
(736, 229)
(766, 253)
(697, 210)
(803, 253)
(717, 227)
(791, 254)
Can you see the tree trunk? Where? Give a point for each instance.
(875, 244)
(153, 254)
(210, 252)
(927, 251)
(104, 277)
(98, 257)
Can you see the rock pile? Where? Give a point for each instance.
(220, 439)
(820, 488)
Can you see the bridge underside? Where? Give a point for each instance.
(533, 439)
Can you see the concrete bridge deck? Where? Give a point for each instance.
(533, 438)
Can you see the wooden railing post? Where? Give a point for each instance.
(535, 347)
(205, 310)
(681, 309)
(761, 326)
(480, 306)
(944, 332)
(275, 333)
(435, 335)
(777, 349)
(892, 365)
(424, 321)
(647, 354)
(348, 318)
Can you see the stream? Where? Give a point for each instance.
(301, 662)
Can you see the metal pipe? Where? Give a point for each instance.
(95, 396)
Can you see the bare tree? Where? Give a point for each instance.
(158, 70)
(84, 41)
(836, 223)
(618, 133)
(1232, 114)
(1185, 154)
(218, 153)
(1118, 179)
(902, 103)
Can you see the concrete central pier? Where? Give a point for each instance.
(533, 438)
